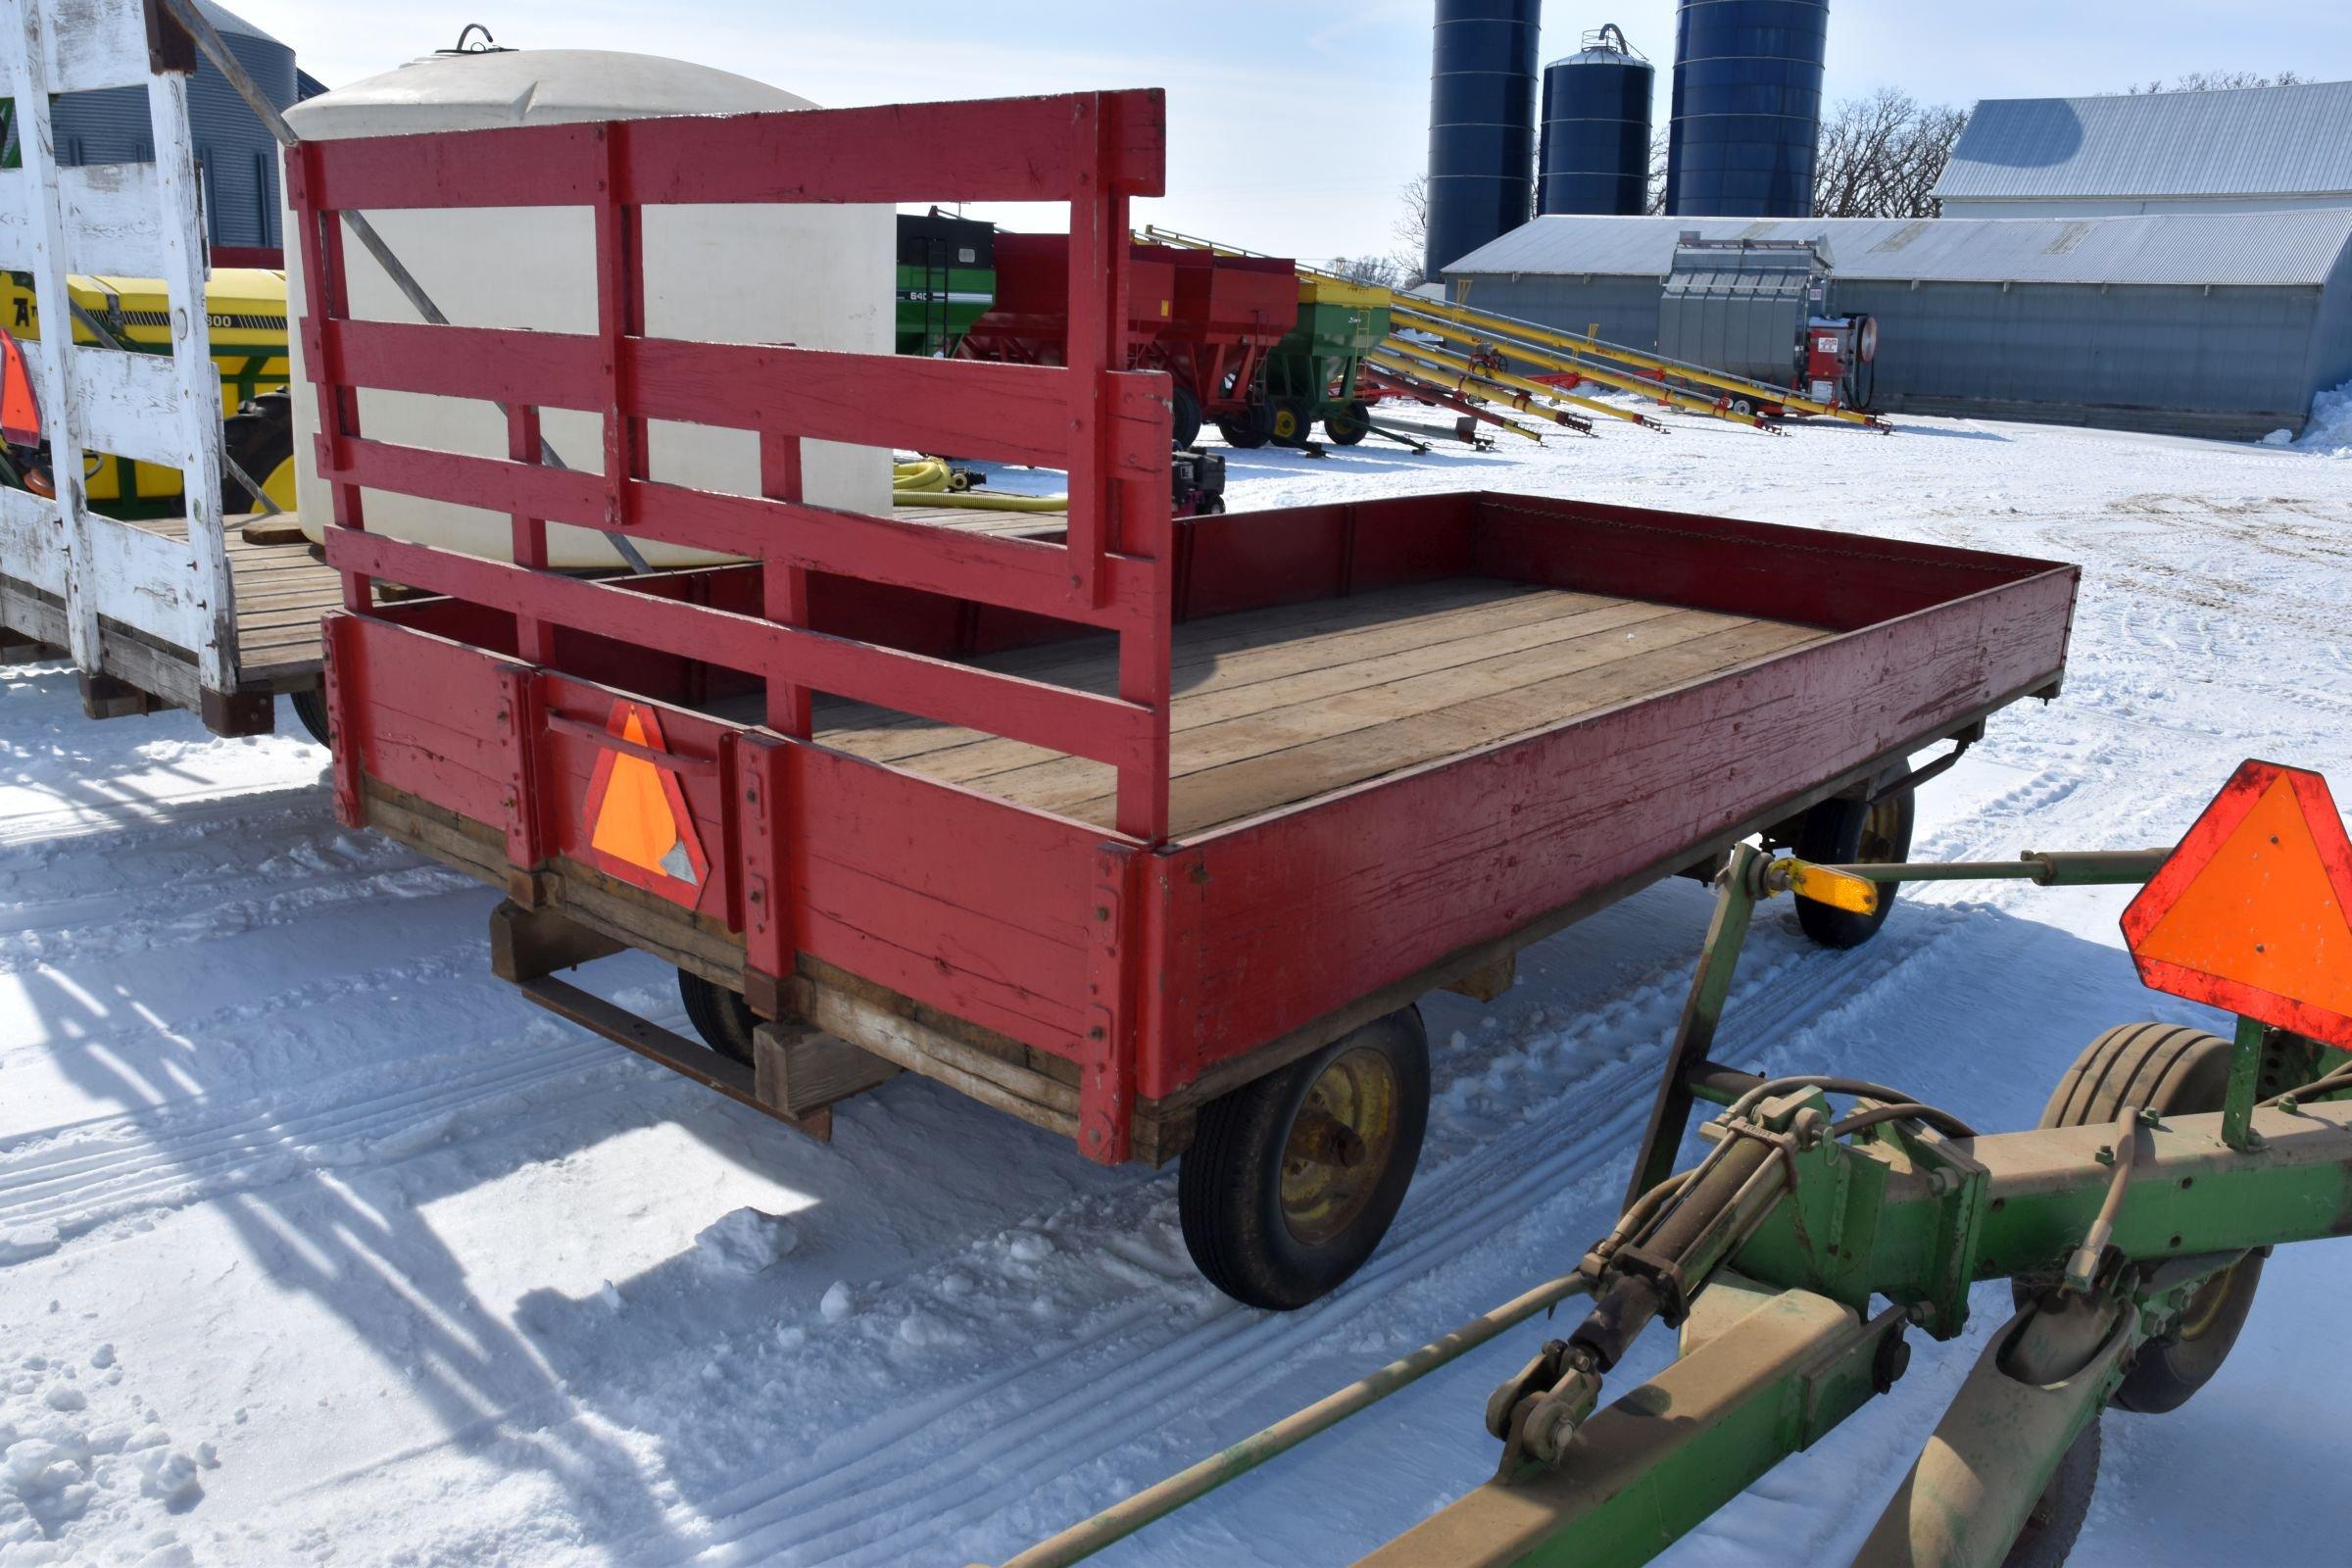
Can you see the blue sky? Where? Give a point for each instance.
(1292, 125)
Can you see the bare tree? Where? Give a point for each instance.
(1381, 272)
(1880, 156)
(2220, 81)
(1654, 200)
(1413, 233)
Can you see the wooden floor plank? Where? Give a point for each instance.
(1257, 784)
(1248, 679)
(1089, 663)
(1286, 704)
(1059, 786)
(1319, 688)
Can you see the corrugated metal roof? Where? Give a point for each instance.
(2246, 142)
(2295, 247)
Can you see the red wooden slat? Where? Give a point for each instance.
(501, 365)
(556, 495)
(534, 639)
(1012, 413)
(1016, 573)
(512, 166)
(1004, 149)
(619, 314)
(784, 582)
(1093, 346)
(1078, 724)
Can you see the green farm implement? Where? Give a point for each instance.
(946, 279)
(1310, 375)
(1832, 1217)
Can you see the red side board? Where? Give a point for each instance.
(960, 901)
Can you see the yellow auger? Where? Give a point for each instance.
(1516, 391)
(1420, 320)
(1581, 346)
(1426, 380)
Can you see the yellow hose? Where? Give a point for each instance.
(928, 474)
(932, 483)
(980, 501)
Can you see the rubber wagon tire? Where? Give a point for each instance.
(1347, 426)
(1266, 1248)
(311, 709)
(2173, 1070)
(1289, 421)
(722, 1018)
(1184, 414)
(1243, 431)
(1847, 832)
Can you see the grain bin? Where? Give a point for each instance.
(1746, 107)
(818, 277)
(1593, 156)
(1482, 124)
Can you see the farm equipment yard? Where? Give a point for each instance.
(317, 1243)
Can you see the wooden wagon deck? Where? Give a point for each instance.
(1277, 706)
(281, 590)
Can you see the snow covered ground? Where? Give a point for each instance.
(316, 1244)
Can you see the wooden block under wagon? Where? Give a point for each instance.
(796, 1069)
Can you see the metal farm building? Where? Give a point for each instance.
(2221, 326)
(2238, 150)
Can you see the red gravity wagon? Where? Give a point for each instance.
(1150, 834)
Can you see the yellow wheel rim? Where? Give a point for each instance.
(2205, 1305)
(1340, 1145)
(280, 485)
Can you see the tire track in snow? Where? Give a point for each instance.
(186, 1152)
(143, 1163)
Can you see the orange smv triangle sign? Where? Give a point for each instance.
(19, 404)
(2253, 911)
(638, 823)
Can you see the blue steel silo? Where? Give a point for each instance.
(237, 157)
(1482, 124)
(1746, 107)
(1594, 153)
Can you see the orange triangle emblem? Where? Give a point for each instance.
(19, 404)
(2253, 911)
(639, 828)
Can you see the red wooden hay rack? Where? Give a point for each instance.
(1107, 427)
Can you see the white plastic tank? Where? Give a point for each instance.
(814, 275)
